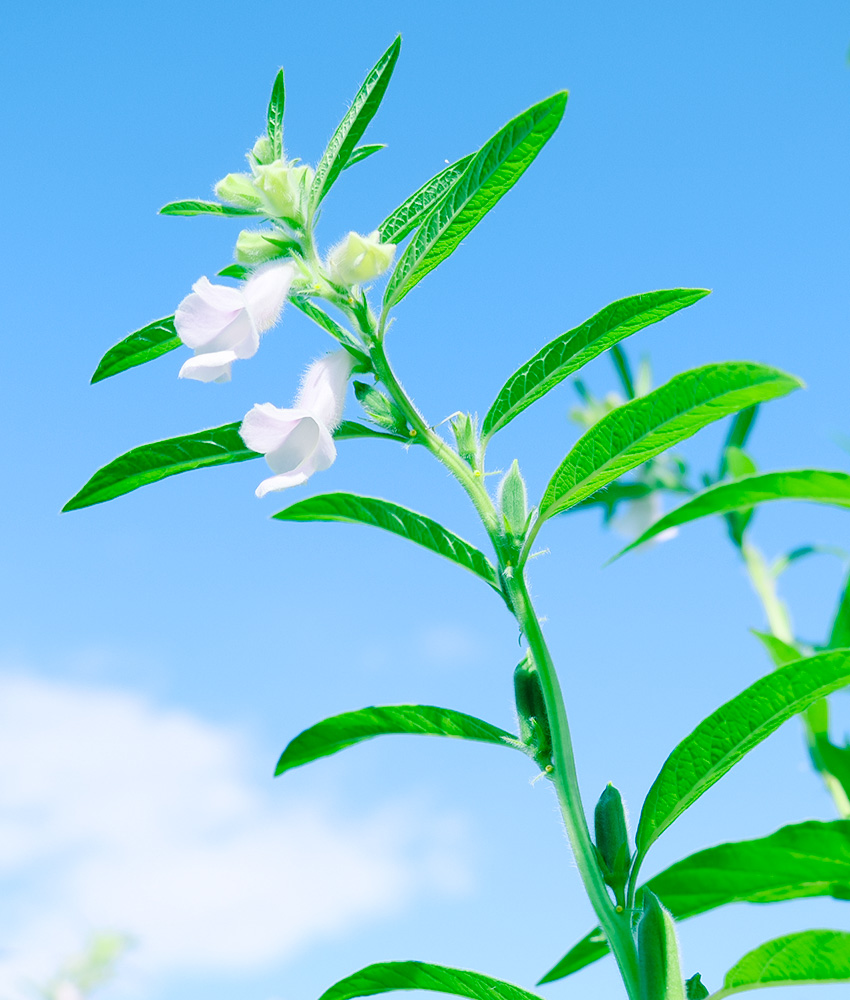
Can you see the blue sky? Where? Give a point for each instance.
(703, 145)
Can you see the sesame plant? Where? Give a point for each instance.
(352, 291)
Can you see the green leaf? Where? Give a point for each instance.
(780, 652)
(235, 271)
(411, 211)
(353, 509)
(493, 171)
(807, 958)
(813, 485)
(361, 152)
(341, 731)
(739, 431)
(804, 860)
(728, 734)
(195, 207)
(343, 142)
(274, 128)
(640, 430)
(839, 637)
(330, 325)
(151, 462)
(386, 976)
(156, 338)
(572, 350)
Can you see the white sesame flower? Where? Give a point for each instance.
(299, 441)
(222, 324)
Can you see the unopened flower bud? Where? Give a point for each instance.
(255, 246)
(238, 190)
(358, 259)
(465, 428)
(513, 500)
(282, 188)
(262, 151)
(658, 953)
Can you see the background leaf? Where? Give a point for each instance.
(728, 734)
(195, 207)
(810, 957)
(409, 213)
(814, 485)
(572, 350)
(493, 171)
(361, 152)
(799, 861)
(839, 636)
(366, 102)
(385, 976)
(354, 509)
(274, 117)
(150, 342)
(643, 428)
(341, 731)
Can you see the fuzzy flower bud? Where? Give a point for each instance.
(255, 246)
(358, 259)
(282, 188)
(238, 190)
(262, 151)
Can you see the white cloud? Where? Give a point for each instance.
(119, 814)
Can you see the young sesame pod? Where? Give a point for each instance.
(658, 953)
(612, 840)
(465, 429)
(513, 500)
(534, 727)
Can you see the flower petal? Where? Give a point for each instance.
(282, 482)
(266, 426)
(211, 367)
(205, 312)
(265, 293)
(323, 387)
(296, 449)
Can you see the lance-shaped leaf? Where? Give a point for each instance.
(809, 958)
(728, 734)
(152, 462)
(813, 485)
(274, 116)
(195, 207)
(493, 171)
(330, 325)
(840, 634)
(640, 430)
(343, 142)
(572, 350)
(799, 861)
(386, 976)
(778, 650)
(150, 342)
(354, 509)
(341, 731)
(361, 152)
(410, 212)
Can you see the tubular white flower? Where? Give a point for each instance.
(299, 441)
(222, 324)
(357, 259)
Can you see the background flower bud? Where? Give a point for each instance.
(255, 246)
(358, 259)
(238, 190)
(282, 188)
(262, 151)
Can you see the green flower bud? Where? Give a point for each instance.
(695, 988)
(612, 840)
(282, 188)
(358, 259)
(465, 428)
(256, 246)
(380, 408)
(534, 728)
(238, 190)
(658, 953)
(262, 151)
(513, 500)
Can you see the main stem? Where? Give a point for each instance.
(617, 926)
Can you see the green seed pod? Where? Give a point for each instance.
(612, 840)
(513, 501)
(658, 953)
(534, 727)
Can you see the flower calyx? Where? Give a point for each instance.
(380, 408)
